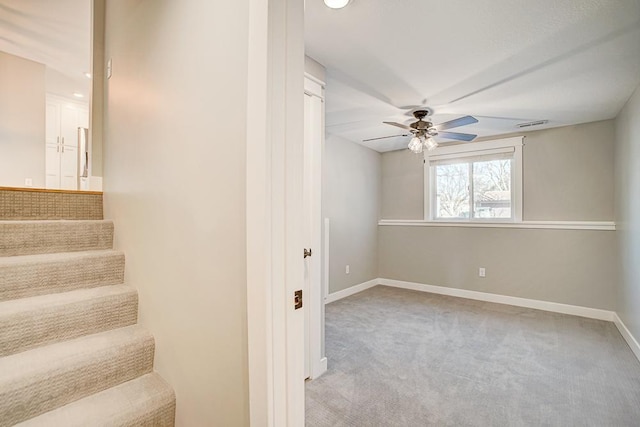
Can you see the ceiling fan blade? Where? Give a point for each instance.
(462, 121)
(457, 136)
(385, 137)
(399, 125)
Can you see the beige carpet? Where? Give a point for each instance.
(71, 353)
(406, 358)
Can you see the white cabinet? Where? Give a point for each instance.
(64, 118)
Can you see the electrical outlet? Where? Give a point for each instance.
(482, 272)
(346, 270)
(28, 182)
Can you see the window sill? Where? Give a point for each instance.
(545, 225)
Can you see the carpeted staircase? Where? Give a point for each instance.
(71, 353)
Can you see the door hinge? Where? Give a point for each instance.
(297, 299)
(307, 252)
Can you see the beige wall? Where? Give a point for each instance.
(568, 176)
(627, 155)
(567, 266)
(22, 121)
(174, 179)
(351, 202)
(97, 89)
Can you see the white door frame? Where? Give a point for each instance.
(274, 136)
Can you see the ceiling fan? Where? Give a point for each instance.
(423, 131)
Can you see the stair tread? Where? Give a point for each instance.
(57, 355)
(33, 321)
(11, 307)
(57, 256)
(129, 403)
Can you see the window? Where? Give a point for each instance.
(474, 182)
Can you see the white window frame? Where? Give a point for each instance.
(469, 150)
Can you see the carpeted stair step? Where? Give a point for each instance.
(146, 401)
(37, 237)
(30, 322)
(45, 378)
(30, 275)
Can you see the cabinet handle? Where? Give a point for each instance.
(58, 144)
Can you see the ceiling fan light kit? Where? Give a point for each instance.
(336, 4)
(416, 145)
(423, 131)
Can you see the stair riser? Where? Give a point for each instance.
(28, 329)
(63, 383)
(25, 280)
(40, 237)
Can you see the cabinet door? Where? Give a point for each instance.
(52, 166)
(69, 168)
(69, 123)
(52, 138)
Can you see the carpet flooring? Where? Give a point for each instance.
(406, 358)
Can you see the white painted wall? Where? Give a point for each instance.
(352, 204)
(627, 157)
(175, 173)
(22, 115)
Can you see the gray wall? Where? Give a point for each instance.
(402, 185)
(174, 180)
(22, 121)
(566, 266)
(351, 202)
(627, 155)
(568, 175)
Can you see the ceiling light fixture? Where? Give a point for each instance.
(416, 145)
(430, 144)
(336, 4)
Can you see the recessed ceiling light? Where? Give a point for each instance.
(336, 4)
(78, 95)
(87, 75)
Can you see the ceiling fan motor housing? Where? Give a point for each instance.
(422, 126)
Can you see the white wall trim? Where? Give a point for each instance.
(545, 225)
(351, 291)
(592, 313)
(626, 334)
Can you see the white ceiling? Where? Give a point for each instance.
(503, 61)
(55, 33)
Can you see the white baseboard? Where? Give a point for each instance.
(592, 313)
(575, 310)
(626, 334)
(350, 291)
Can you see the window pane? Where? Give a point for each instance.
(452, 191)
(492, 189)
